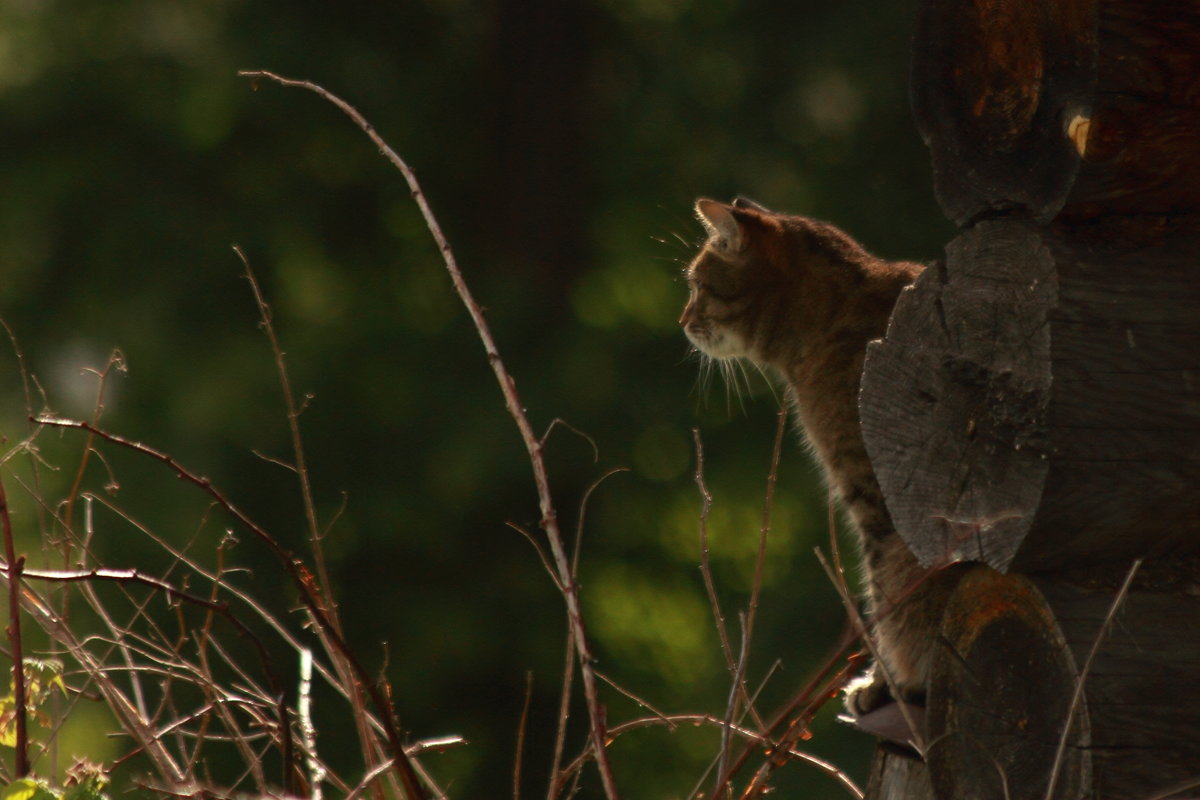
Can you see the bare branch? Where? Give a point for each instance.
(300, 468)
(293, 415)
(557, 775)
(521, 736)
(819, 688)
(756, 740)
(550, 570)
(1077, 695)
(300, 578)
(761, 557)
(508, 388)
(14, 567)
(116, 360)
(308, 732)
(131, 720)
(222, 608)
(559, 421)
(641, 702)
(705, 563)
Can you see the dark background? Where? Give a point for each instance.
(562, 145)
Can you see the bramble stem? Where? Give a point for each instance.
(15, 566)
(508, 387)
(300, 578)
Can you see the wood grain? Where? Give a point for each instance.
(954, 399)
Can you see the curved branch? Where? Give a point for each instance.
(508, 387)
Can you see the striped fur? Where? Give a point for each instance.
(802, 298)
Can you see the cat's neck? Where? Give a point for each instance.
(823, 346)
(824, 388)
(823, 375)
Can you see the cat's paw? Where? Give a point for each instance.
(866, 693)
(870, 691)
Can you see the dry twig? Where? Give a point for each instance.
(14, 568)
(300, 468)
(1077, 695)
(519, 758)
(508, 388)
(295, 570)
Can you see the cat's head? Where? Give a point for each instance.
(732, 280)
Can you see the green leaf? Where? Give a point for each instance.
(42, 676)
(8, 722)
(85, 781)
(28, 789)
(90, 788)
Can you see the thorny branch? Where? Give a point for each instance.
(14, 568)
(804, 705)
(756, 740)
(508, 387)
(295, 570)
(300, 467)
(126, 576)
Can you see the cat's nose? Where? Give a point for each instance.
(686, 316)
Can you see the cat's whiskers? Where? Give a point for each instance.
(766, 379)
(727, 376)
(703, 372)
(733, 375)
(731, 371)
(729, 368)
(706, 375)
(745, 380)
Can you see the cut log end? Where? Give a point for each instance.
(1000, 693)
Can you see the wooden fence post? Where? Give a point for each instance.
(1035, 405)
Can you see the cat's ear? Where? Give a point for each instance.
(746, 202)
(720, 221)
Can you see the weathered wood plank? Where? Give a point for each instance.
(1022, 420)
(1123, 421)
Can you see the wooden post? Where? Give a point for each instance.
(1035, 405)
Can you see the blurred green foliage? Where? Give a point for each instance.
(561, 145)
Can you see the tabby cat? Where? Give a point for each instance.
(802, 298)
